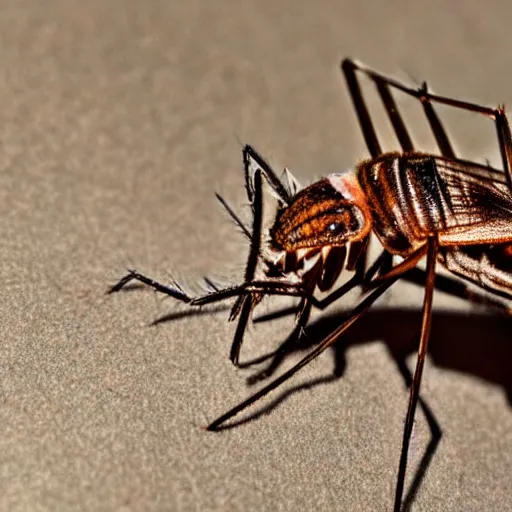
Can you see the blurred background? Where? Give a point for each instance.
(119, 121)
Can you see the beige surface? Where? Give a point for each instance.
(118, 122)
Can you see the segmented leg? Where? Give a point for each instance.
(435, 437)
(245, 303)
(303, 313)
(416, 382)
(304, 310)
(359, 311)
(458, 260)
(427, 99)
(287, 288)
(255, 168)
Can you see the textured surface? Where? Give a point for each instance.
(118, 122)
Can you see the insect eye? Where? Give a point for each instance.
(334, 227)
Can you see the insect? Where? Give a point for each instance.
(454, 212)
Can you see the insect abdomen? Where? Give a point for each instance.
(414, 196)
(406, 200)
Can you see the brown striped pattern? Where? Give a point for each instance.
(414, 196)
(319, 215)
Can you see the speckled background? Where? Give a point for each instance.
(118, 122)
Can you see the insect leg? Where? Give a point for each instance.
(306, 303)
(488, 266)
(303, 313)
(357, 313)
(381, 266)
(435, 431)
(245, 303)
(255, 167)
(253, 161)
(394, 114)
(459, 261)
(459, 289)
(383, 83)
(242, 308)
(173, 290)
(349, 68)
(416, 382)
(435, 124)
(286, 288)
(496, 114)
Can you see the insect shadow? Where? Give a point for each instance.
(474, 343)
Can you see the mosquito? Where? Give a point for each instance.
(454, 212)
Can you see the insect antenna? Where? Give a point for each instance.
(234, 216)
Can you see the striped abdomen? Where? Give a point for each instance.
(414, 196)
